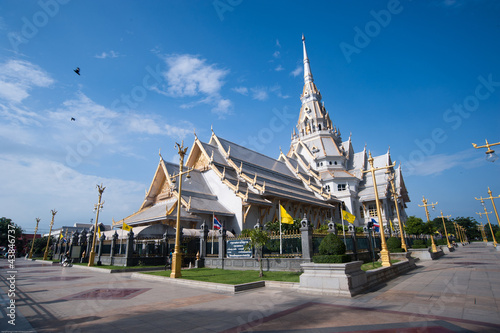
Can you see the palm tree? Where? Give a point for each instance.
(258, 238)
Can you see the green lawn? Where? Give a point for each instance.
(231, 276)
(370, 265)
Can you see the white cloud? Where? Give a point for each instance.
(50, 185)
(436, 164)
(278, 43)
(241, 90)
(18, 77)
(259, 93)
(189, 75)
(297, 71)
(223, 108)
(178, 132)
(276, 54)
(110, 54)
(279, 68)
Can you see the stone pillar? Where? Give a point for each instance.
(90, 237)
(129, 251)
(203, 240)
(74, 242)
(113, 244)
(222, 243)
(99, 253)
(200, 258)
(306, 238)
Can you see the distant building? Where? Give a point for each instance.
(318, 177)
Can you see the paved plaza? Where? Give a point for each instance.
(460, 292)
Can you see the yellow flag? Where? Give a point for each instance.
(285, 217)
(99, 231)
(392, 227)
(126, 227)
(348, 216)
(60, 235)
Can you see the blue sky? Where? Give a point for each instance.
(422, 77)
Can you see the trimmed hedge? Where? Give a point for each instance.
(331, 259)
(393, 243)
(396, 250)
(419, 246)
(332, 245)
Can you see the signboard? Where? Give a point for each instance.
(236, 249)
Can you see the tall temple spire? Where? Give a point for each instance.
(307, 66)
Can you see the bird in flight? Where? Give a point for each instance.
(77, 70)
(73, 119)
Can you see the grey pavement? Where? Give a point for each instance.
(460, 292)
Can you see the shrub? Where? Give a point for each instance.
(246, 232)
(332, 244)
(396, 250)
(497, 235)
(331, 259)
(441, 241)
(419, 247)
(393, 243)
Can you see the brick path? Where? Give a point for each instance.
(460, 292)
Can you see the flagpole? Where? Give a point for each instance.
(343, 229)
(121, 237)
(281, 240)
(213, 231)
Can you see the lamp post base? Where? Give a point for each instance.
(386, 258)
(433, 247)
(176, 265)
(91, 258)
(45, 255)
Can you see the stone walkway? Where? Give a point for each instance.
(460, 292)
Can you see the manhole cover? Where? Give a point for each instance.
(62, 278)
(115, 293)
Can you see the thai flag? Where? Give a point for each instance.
(217, 224)
(376, 226)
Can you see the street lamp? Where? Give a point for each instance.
(483, 234)
(425, 205)
(490, 153)
(97, 207)
(54, 212)
(395, 196)
(34, 236)
(177, 256)
(446, 232)
(486, 213)
(384, 252)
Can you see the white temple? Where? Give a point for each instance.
(318, 177)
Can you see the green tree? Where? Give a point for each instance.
(258, 238)
(274, 226)
(415, 226)
(4, 233)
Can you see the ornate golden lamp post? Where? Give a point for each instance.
(395, 196)
(34, 236)
(490, 153)
(425, 205)
(97, 207)
(177, 255)
(384, 252)
(54, 212)
(446, 232)
(486, 213)
(483, 234)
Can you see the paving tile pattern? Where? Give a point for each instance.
(460, 292)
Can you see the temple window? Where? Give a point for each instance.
(341, 187)
(372, 210)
